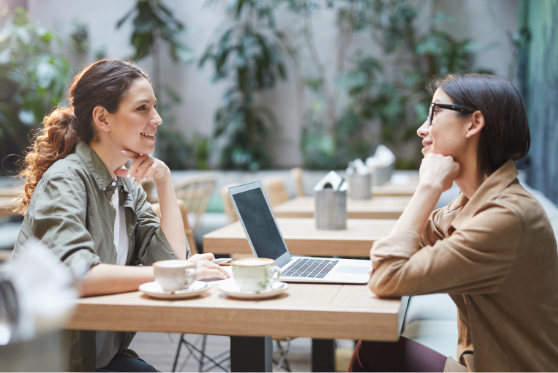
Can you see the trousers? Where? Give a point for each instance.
(121, 363)
(404, 355)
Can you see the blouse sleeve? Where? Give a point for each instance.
(57, 217)
(151, 244)
(473, 260)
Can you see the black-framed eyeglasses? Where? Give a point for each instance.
(460, 108)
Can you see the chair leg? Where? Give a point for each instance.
(283, 362)
(193, 350)
(202, 355)
(177, 353)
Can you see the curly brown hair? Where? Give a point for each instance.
(103, 83)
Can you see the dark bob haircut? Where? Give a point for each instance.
(505, 134)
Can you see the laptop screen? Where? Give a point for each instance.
(259, 223)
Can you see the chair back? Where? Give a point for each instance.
(149, 187)
(187, 230)
(228, 206)
(296, 174)
(275, 190)
(196, 192)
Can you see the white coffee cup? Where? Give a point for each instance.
(254, 274)
(174, 275)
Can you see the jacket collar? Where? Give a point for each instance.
(99, 170)
(493, 185)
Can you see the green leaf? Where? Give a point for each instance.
(185, 54)
(173, 95)
(45, 73)
(26, 117)
(5, 56)
(126, 16)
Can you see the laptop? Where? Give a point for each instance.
(266, 241)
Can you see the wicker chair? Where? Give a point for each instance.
(196, 191)
(228, 206)
(187, 230)
(275, 190)
(296, 174)
(148, 186)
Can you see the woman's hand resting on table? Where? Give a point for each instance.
(438, 170)
(143, 167)
(206, 269)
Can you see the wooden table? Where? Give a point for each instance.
(302, 238)
(319, 311)
(11, 191)
(373, 208)
(395, 190)
(7, 204)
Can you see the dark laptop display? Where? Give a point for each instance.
(259, 223)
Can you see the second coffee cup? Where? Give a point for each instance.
(255, 274)
(174, 275)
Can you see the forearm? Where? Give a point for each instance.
(113, 279)
(171, 219)
(418, 210)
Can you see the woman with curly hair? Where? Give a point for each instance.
(492, 249)
(82, 204)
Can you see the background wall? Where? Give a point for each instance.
(542, 94)
(486, 22)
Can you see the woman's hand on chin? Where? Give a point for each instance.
(143, 167)
(206, 268)
(438, 170)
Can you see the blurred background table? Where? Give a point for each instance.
(391, 189)
(11, 191)
(302, 237)
(374, 208)
(7, 204)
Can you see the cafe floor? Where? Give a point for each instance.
(159, 349)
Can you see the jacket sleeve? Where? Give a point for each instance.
(151, 244)
(473, 260)
(57, 217)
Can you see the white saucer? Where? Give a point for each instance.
(230, 288)
(154, 290)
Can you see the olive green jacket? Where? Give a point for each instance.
(72, 214)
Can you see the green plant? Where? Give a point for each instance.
(249, 51)
(154, 23)
(201, 151)
(434, 54)
(32, 80)
(79, 38)
(397, 105)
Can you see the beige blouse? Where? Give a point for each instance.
(496, 256)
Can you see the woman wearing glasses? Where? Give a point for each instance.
(492, 249)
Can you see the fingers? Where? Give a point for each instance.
(210, 273)
(210, 265)
(149, 172)
(121, 172)
(204, 256)
(142, 169)
(130, 154)
(209, 269)
(140, 163)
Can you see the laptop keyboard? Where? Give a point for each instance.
(316, 268)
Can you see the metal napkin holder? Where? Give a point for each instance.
(360, 186)
(331, 209)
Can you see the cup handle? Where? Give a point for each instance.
(273, 274)
(190, 275)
